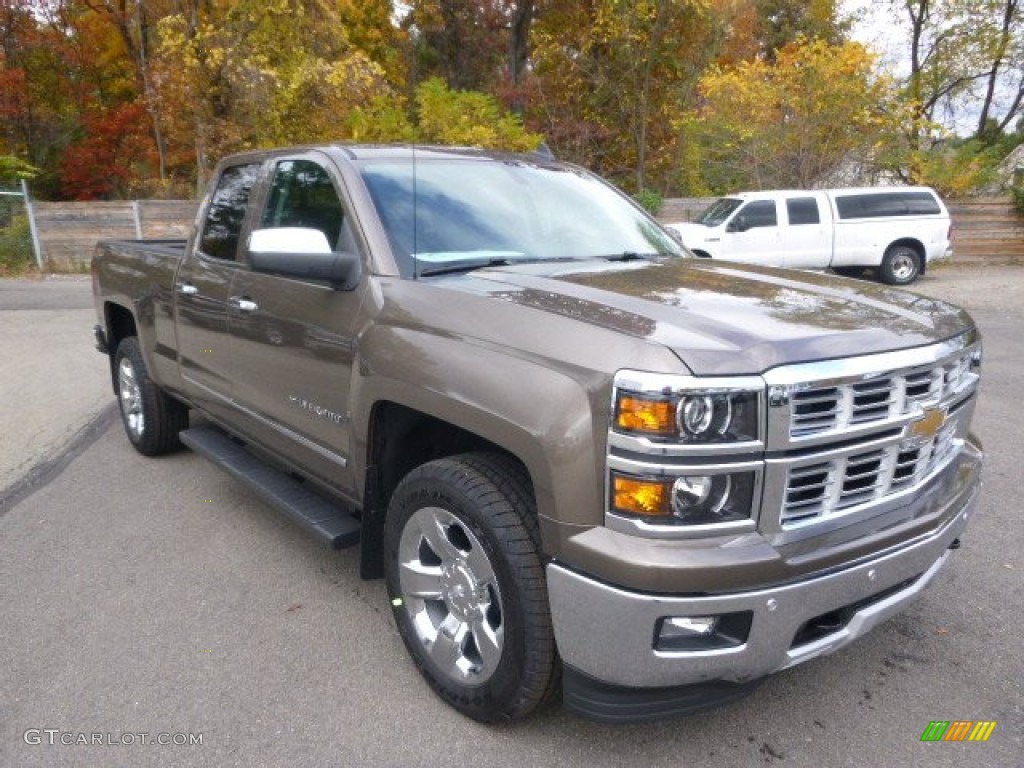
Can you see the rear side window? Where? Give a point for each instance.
(760, 213)
(224, 217)
(802, 210)
(876, 204)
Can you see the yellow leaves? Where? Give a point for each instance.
(795, 119)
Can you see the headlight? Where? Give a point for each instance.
(691, 499)
(697, 416)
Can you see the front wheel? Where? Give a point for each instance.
(151, 418)
(900, 266)
(467, 587)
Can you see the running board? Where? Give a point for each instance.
(326, 521)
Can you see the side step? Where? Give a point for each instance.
(310, 510)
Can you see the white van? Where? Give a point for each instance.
(897, 231)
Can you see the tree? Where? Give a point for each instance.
(609, 76)
(781, 22)
(253, 74)
(787, 123)
(443, 116)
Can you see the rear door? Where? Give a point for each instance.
(806, 236)
(201, 290)
(293, 340)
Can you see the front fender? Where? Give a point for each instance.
(544, 416)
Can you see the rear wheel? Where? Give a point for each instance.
(151, 418)
(467, 585)
(900, 266)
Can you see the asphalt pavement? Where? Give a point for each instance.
(157, 599)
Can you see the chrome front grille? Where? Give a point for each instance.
(821, 489)
(837, 407)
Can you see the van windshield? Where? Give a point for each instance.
(450, 214)
(719, 211)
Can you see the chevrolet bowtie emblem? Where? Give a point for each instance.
(926, 427)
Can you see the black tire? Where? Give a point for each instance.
(495, 658)
(152, 419)
(900, 266)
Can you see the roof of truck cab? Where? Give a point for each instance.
(359, 152)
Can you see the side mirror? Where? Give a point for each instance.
(739, 224)
(303, 253)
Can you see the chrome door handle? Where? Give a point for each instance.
(243, 304)
(188, 289)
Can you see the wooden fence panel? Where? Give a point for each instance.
(68, 231)
(985, 229)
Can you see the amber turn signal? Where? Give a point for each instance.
(641, 497)
(640, 414)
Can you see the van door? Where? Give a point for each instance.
(752, 235)
(805, 239)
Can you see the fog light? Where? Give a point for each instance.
(688, 626)
(702, 633)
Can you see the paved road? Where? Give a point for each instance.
(159, 596)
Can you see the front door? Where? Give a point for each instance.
(293, 340)
(752, 235)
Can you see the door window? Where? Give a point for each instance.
(760, 213)
(302, 195)
(802, 210)
(224, 217)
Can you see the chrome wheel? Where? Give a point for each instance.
(131, 399)
(904, 265)
(450, 592)
(900, 265)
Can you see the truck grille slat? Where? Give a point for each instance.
(819, 410)
(818, 489)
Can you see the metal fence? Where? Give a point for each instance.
(19, 239)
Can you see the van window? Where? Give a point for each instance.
(802, 210)
(760, 213)
(878, 204)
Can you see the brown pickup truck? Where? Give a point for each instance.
(583, 461)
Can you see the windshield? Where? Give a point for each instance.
(719, 211)
(472, 212)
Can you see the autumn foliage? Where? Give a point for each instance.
(112, 98)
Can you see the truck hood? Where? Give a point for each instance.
(694, 234)
(721, 318)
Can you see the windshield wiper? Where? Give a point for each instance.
(463, 265)
(468, 265)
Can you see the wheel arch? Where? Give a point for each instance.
(120, 324)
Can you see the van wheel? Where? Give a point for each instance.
(467, 587)
(151, 418)
(900, 266)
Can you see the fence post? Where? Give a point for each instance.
(138, 219)
(30, 211)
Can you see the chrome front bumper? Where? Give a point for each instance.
(608, 634)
